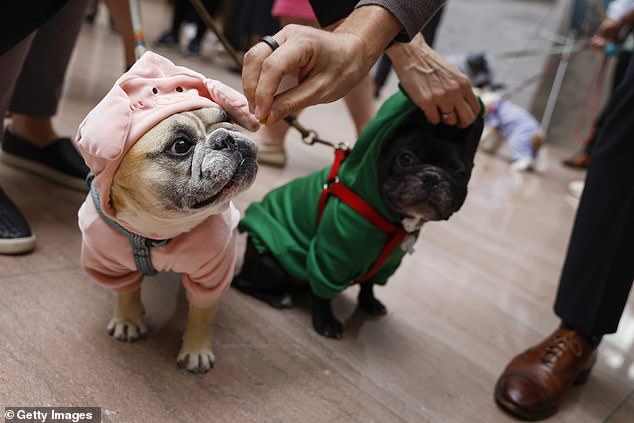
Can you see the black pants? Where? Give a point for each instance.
(622, 64)
(599, 266)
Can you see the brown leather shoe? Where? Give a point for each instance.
(535, 382)
(580, 160)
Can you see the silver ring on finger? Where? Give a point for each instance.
(270, 41)
(446, 116)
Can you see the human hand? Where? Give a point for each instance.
(609, 31)
(438, 88)
(327, 65)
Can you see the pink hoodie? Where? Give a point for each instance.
(153, 89)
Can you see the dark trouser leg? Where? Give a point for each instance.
(599, 267)
(619, 73)
(10, 67)
(180, 11)
(39, 86)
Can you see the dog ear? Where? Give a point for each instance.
(234, 103)
(102, 140)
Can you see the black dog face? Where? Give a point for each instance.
(423, 175)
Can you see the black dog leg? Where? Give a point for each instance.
(368, 302)
(263, 278)
(324, 321)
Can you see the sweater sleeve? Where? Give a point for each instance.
(412, 14)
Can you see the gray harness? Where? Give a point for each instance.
(141, 246)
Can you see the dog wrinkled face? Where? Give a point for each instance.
(424, 175)
(192, 163)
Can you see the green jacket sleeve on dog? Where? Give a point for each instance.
(344, 245)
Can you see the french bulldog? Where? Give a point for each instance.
(168, 157)
(419, 172)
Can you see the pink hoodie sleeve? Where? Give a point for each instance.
(214, 242)
(101, 252)
(205, 286)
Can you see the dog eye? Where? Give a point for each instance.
(406, 160)
(180, 147)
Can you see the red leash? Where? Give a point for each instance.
(332, 186)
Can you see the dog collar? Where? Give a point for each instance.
(141, 246)
(332, 186)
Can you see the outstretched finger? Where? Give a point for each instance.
(251, 70)
(295, 99)
(471, 99)
(465, 114)
(285, 61)
(430, 109)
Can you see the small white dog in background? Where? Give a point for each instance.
(508, 122)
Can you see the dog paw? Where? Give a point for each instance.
(126, 330)
(330, 328)
(200, 361)
(324, 321)
(372, 306)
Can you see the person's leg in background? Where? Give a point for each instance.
(360, 102)
(581, 160)
(15, 234)
(194, 46)
(171, 37)
(30, 142)
(120, 13)
(596, 278)
(32, 77)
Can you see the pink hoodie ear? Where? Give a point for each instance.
(234, 103)
(103, 133)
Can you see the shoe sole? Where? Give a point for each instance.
(74, 183)
(515, 411)
(17, 245)
(524, 414)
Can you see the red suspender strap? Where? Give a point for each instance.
(340, 155)
(358, 204)
(388, 249)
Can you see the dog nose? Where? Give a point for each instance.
(430, 180)
(221, 139)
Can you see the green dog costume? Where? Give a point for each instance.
(344, 245)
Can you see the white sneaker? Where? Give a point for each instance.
(522, 165)
(540, 163)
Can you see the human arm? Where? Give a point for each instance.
(412, 14)
(328, 65)
(619, 14)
